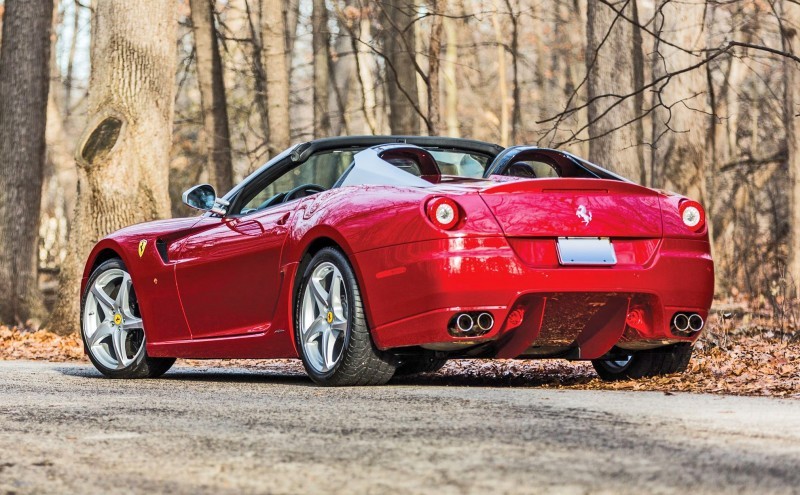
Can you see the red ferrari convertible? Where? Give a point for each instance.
(369, 257)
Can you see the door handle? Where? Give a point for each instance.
(285, 218)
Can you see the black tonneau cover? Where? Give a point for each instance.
(301, 152)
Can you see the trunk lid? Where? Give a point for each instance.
(566, 207)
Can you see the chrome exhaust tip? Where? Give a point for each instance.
(485, 322)
(696, 322)
(464, 323)
(681, 322)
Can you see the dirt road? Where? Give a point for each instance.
(63, 429)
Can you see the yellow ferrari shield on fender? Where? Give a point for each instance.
(142, 245)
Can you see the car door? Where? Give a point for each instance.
(228, 274)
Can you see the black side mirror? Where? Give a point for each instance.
(203, 197)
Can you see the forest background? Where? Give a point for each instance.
(698, 97)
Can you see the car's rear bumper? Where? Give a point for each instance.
(412, 291)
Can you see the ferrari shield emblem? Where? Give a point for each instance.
(142, 245)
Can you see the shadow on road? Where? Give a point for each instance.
(204, 375)
(563, 376)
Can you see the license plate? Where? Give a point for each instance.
(586, 251)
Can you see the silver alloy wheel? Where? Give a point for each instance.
(618, 365)
(112, 327)
(324, 316)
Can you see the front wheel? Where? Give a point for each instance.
(331, 330)
(111, 326)
(643, 364)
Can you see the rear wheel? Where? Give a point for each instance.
(642, 364)
(331, 330)
(111, 326)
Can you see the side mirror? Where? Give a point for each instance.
(204, 198)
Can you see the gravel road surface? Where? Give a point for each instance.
(64, 429)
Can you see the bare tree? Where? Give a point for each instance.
(399, 20)
(24, 81)
(273, 39)
(680, 102)
(320, 44)
(438, 9)
(502, 79)
(216, 141)
(791, 115)
(123, 156)
(450, 83)
(611, 64)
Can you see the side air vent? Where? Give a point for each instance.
(161, 247)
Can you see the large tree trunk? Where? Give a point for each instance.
(401, 67)
(611, 65)
(216, 140)
(791, 115)
(24, 81)
(438, 9)
(450, 83)
(360, 29)
(321, 48)
(273, 39)
(123, 155)
(516, 94)
(679, 122)
(502, 81)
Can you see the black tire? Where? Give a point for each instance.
(144, 366)
(642, 364)
(361, 363)
(425, 363)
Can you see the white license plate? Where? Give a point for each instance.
(586, 251)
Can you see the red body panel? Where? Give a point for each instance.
(226, 287)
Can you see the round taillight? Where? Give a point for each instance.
(692, 215)
(443, 212)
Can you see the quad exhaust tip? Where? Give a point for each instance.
(696, 322)
(485, 322)
(471, 324)
(681, 322)
(465, 323)
(688, 323)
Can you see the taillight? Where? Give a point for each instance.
(443, 212)
(692, 215)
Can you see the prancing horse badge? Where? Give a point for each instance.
(142, 245)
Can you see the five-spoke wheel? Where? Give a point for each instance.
(112, 327)
(323, 317)
(330, 327)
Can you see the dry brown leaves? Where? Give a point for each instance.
(725, 361)
(39, 345)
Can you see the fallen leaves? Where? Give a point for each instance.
(726, 361)
(39, 345)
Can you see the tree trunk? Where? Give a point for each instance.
(438, 8)
(502, 82)
(359, 40)
(24, 81)
(291, 18)
(610, 65)
(679, 123)
(516, 94)
(450, 83)
(123, 155)
(401, 67)
(216, 140)
(273, 39)
(791, 115)
(320, 44)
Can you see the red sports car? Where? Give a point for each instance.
(368, 257)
